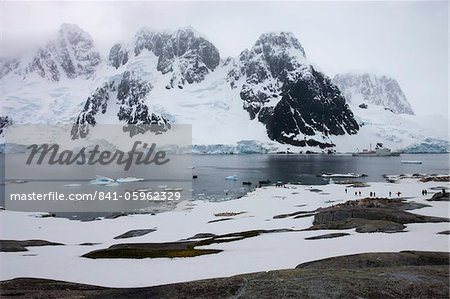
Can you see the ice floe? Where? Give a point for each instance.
(109, 182)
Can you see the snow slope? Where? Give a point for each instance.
(372, 89)
(396, 131)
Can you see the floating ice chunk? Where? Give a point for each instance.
(129, 179)
(343, 175)
(113, 184)
(173, 189)
(72, 185)
(231, 177)
(101, 180)
(95, 182)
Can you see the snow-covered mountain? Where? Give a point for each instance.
(412, 133)
(187, 55)
(71, 54)
(368, 88)
(277, 85)
(267, 99)
(298, 104)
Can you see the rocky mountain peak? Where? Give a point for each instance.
(278, 43)
(184, 53)
(73, 32)
(373, 89)
(71, 54)
(280, 88)
(275, 55)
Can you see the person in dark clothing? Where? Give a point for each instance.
(370, 194)
(356, 193)
(359, 193)
(390, 193)
(345, 190)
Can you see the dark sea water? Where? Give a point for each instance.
(211, 171)
(304, 169)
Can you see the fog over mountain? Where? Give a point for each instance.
(404, 40)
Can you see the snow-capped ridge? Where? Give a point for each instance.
(183, 53)
(282, 39)
(373, 89)
(70, 54)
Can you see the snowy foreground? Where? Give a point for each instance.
(261, 253)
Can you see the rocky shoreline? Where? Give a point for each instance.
(405, 274)
(369, 215)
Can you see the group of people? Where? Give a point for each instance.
(356, 192)
(373, 194)
(398, 194)
(424, 192)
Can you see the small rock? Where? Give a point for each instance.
(440, 196)
(328, 236)
(135, 233)
(16, 246)
(445, 232)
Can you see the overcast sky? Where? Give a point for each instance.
(405, 40)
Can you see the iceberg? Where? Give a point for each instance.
(129, 179)
(109, 182)
(231, 177)
(101, 180)
(343, 175)
(72, 185)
